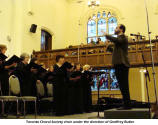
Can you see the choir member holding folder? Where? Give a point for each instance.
(60, 89)
(28, 74)
(4, 70)
(71, 91)
(87, 83)
(21, 72)
(76, 91)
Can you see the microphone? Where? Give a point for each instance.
(136, 35)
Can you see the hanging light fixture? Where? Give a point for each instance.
(93, 3)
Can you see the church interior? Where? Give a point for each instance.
(74, 29)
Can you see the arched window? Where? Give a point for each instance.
(99, 22)
(112, 23)
(101, 28)
(91, 29)
(46, 40)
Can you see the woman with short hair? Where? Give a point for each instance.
(22, 73)
(4, 71)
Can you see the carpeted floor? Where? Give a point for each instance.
(92, 115)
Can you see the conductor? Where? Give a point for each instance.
(120, 62)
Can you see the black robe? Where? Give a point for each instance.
(44, 77)
(75, 93)
(4, 80)
(60, 90)
(71, 96)
(27, 79)
(87, 94)
(49, 77)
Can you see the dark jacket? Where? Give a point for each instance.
(120, 53)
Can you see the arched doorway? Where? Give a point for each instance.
(46, 40)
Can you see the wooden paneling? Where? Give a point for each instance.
(98, 57)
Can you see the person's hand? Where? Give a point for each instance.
(78, 77)
(13, 65)
(0, 62)
(33, 70)
(107, 43)
(38, 81)
(104, 33)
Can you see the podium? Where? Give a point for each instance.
(136, 113)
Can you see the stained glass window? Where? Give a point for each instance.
(101, 26)
(91, 28)
(94, 17)
(107, 81)
(109, 14)
(104, 14)
(112, 24)
(98, 15)
(101, 22)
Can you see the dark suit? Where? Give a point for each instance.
(121, 64)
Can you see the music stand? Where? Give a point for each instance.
(147, 77)
(98, 94)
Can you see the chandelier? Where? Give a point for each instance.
(93, 3)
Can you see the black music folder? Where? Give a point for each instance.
(2, 57)
(13, 59)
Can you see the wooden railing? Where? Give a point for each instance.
(98, 55)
